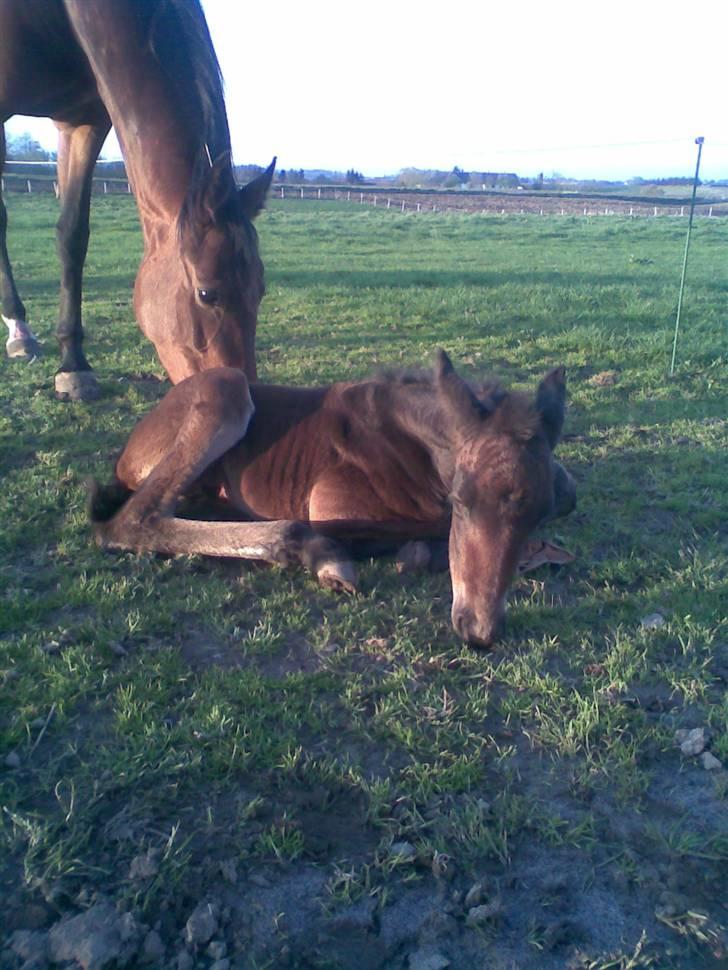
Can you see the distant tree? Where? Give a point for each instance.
(353, 177)
(411, 178)
(244, 173)
(456, 178)
(538, 181)
(461, 176)
(25, 148)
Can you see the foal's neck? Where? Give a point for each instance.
(417, 413)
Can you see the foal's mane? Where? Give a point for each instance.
(508, 412)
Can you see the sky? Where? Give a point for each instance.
(585, 89)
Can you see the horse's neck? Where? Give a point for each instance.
(154, 128)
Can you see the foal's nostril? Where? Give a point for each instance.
(462, 621)
(476, 634)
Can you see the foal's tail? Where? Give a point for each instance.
(104, 501)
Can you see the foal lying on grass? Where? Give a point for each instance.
(314, 471)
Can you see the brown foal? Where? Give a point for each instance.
(425, 456)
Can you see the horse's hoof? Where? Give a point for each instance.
(78, 385)
(338, 575)
(23, 348)
(22, 343)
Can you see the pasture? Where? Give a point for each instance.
(340, 779)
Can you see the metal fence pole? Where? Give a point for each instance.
(699, 142)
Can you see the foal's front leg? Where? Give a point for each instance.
(423, 556)
(199, 421)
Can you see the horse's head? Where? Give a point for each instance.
(198, 291)
(505, 481)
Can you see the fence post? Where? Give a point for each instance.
(699, 142)
(56, 190)
(29, 188)
(655, 210)
(402, 205)
(128, 188)
(710, 211)
(106, 189)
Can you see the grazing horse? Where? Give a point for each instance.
(418, 456)
(147, 67)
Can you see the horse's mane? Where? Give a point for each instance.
(181, 42)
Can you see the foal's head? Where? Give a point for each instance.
(198, 291)
(504, 482)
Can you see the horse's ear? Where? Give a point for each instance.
(252, 196)
(452, 390)
(551, 402)
(218, 189)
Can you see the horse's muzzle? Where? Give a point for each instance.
(479, 634)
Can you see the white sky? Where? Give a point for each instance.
(583, 88)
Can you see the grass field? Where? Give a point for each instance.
(342, 781)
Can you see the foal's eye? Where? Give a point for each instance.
(208, 297)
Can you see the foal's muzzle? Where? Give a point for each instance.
(478, 634)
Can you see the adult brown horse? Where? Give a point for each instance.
(398, 457)
(148, 67)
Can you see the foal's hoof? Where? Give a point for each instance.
(413, 557)
(337, 575)
(77, 385)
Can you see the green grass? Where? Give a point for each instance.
(215, 711)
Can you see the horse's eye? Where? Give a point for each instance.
(209, 297)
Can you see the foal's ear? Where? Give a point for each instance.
(551, 402)
(452, 389)
(252, 196)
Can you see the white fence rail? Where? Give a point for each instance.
(485, 203)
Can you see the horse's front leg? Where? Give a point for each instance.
(78, 149)
(21, 342)
(197, 422)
